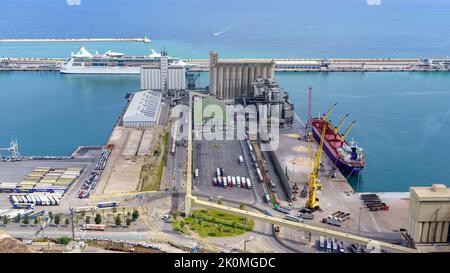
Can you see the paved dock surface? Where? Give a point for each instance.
(336, 193)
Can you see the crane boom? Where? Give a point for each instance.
(313, 202)
(336, 129)
(329, 111)
(350, 127)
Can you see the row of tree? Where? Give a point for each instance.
(58, 219)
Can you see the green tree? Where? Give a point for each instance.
(26, 220)
(50, 215)
(36, 220)
(219, 228)
(219, 202)
(19, 216)
(5, 220)
(88, 219)
(135, 215)
(63, 240)
(98, 219)
(66, 222)
(118, 220)
(175, 215)
(57, 219)
(241, 206)
(128, 221)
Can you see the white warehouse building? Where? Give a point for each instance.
(143, 110)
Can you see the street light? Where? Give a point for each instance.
(359, 220)
(73, 227)
(245, 243)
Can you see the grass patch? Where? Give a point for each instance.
(151, 175)
(213, 223)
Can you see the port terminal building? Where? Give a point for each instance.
(143, 110)
(430, 214)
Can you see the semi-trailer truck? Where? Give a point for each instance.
(94, 227)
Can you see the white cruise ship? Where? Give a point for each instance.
(84, 62)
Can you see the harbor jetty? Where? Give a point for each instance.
(281, 65)
(144, 40)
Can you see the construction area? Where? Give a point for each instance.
(138, 145)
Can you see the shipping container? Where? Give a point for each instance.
(292, 218)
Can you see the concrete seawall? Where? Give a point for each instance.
(281, 65)
(145, 40)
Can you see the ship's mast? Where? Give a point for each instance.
(308, 125)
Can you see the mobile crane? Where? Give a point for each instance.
(312, 203)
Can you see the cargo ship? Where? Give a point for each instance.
(346, 156)
(85, 62)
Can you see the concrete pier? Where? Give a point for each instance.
(144, 40)
(281, 65)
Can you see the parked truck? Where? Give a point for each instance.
(94, 227)
(86, 209)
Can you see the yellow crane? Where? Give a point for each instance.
(313, 179)
(350, 127)
(329, 111)
(336, 129)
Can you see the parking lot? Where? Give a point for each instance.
(16, 171)
(212, 154)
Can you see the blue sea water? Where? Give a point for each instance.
(403, 118)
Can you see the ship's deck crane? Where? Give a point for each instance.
(313, 180)
(350, 127)
(329, 111)
(336, 129)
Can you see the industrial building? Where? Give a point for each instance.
(430, 214)
(232, 79)
(143, 110)
(266, 91)
(169, 78)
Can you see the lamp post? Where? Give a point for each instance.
(359, 220)
(245, 243)
(73, 227)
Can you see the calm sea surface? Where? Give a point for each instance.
(403, 119)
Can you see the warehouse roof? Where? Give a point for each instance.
(433, 193)
(144, 106)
